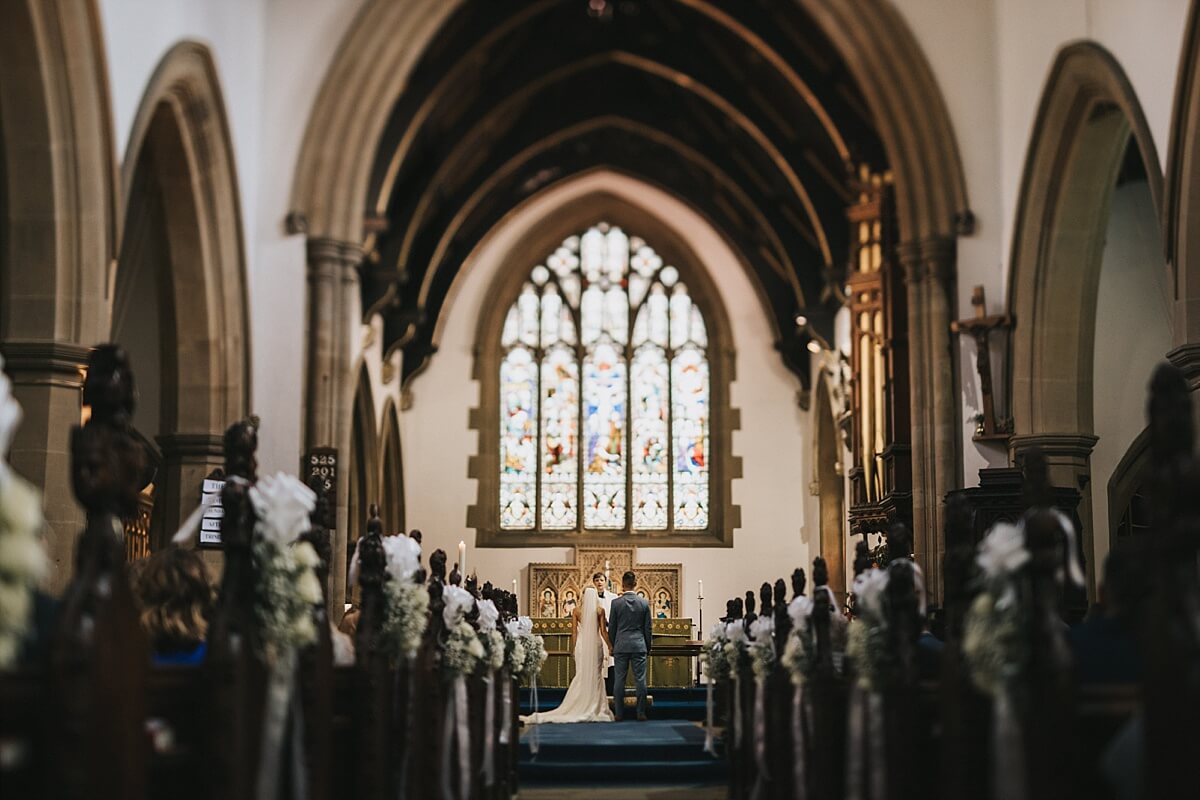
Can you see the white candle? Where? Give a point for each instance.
(462, 558)
(514, 586)
(700, 588)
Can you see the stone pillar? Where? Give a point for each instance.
(187, 459)
(938, 253)
(333, 316)
(47, 379)
(1068, 458)
(919, 422)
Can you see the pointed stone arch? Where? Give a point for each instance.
(376, 58)
(58, 201)
(391, 466)
(1088, 117)
(362, 479)
(181, 273)
(1181, 202)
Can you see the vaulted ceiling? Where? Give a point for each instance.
(739, 108)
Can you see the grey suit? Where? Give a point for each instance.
(629, 630)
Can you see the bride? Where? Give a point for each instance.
(586, 699)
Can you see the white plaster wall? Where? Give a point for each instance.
(271, 57)
(1133, 334)
(773, 440)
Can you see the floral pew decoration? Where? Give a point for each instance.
(462, 654)
(23, 561)
(406, 610)
(1022, 567)
(761, 651)
(526, 653)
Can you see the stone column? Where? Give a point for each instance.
(938, 253)
(47, 379)
(1068, 459)
(187, 459)
(919, 421)
(333, 316)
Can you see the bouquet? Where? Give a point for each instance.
(23, 562)
(762, 646)
(524, 651)
(406, 613)
(713, 657)
(800, 652)
(867, 645)
(993, 647)
(463, 650)
(287, 586)
(491, 637)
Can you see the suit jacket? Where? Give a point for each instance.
(629, 624)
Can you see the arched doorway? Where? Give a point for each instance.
(1090, 290)
(179, 290)
(391, 488)
(364, 474)
(58, 215)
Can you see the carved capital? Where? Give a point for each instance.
(1187, 358)
(324, 253)
(1057, 447)
(192, 446)
(45, 362)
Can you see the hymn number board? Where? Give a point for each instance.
(322, 462)
(210, 500)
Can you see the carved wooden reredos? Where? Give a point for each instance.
(557, 584)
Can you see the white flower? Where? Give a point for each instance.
(475, 648)
(735, 632)
(799, 610)
(717, 632)
(1002, 551)
(20, 508)
(489, 615)
(458, 603)
(513, 628)
(525, 626)
(10, 418)
(868, 589)
(15, 604)
(304, 629)
(403, 557)
(309, 587)
(762, 628)
(283, 505)
(305, 555)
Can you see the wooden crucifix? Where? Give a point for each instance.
(980, 328)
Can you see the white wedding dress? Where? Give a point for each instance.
(586, 699)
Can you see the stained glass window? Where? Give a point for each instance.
(598, 415)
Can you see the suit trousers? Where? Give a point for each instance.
(621, 664)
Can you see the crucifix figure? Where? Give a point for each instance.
(980, 327)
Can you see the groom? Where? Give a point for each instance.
(629, 631)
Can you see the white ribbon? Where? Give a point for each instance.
(411, 674)
(191, 526)
(799, 744)
(854, 744)
(281, 698)
(876, 766)
(1008, 757)
(534, 742)
(762, 774)
(456, 732)
(737, 709)
(506, 712)
(489, 731)
(708, 717)
(1074, 568)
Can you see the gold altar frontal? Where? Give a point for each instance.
(674, 670)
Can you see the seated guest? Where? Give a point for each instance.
(1105, 646)
(349, 623)
(176, 599)
(929, 646)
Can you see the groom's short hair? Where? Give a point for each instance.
(628, 580)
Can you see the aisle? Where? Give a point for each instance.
(595, 754)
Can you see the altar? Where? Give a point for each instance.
(674, 666)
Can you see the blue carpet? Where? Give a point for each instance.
(603, 753)
(679, 704)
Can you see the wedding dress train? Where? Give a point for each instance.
(586, 699)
